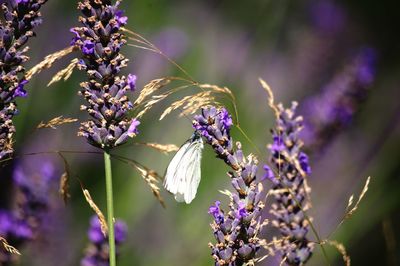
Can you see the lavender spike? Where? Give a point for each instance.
(20, 18)
(333, 109)
(100, 41)
(25, 223)
(289, 189)
(236, 230)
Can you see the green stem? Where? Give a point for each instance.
(110, 208)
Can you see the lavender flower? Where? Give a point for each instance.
(236, 230)
(289, 188)
(16, 232)
(329, 112)
(34, 194)
(32, 202)
(20, 18)
(97, 253)
(100, 41)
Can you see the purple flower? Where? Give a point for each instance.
(88, 47)
(241, 212)
(333, 109)
(22, 1)
(105, 90)
(28, 220)
(6, 222)
(226, 118)
(97, 252)
(292, 165)
(20, 17)
(76, 38)
(95, 235)
(13, 228)
(303, 160)
(236, 230)
(121, 230)
(277, 144)
(34, 185)
(122, 20)
(132, 82)
(23, 230)
(216, 212)
(132, 130)
(269, 174)
(19, 90)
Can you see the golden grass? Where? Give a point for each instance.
(48, 61)
(164, 148)
(96, 209)
(57, 121)
(7, 247)
(65, 73)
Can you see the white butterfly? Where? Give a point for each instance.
(183, 173)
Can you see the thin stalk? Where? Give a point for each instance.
(249, 140)
(110, 208)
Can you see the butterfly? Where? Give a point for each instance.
(183, 173)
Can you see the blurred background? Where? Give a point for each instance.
(302, 49)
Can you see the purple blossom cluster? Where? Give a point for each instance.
(17, 232)
(235, 230)
(27, 218)
(100, 41)
(20, 18)
(333, 109)
(290, 168)
(97, 253)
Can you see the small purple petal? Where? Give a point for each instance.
(215, 211)
(22, 1)
(88, 47)
(19, 90)
(269, 174)
(241, 212)
(122, 20)
(226, 118)
(132, 130)
(132, 81)
(76, 38)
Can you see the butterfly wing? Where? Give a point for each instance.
(171, 178)
(184, 173)
(193, 173)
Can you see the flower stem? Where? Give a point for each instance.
(110, 208)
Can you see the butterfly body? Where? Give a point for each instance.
(184, 173)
